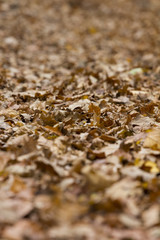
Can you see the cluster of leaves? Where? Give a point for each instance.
(79, 120)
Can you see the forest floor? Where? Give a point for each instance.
(80, 120)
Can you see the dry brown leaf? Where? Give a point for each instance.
(13, 209)
(24, 229)
(5, 157)
(151, 216)
(98, 179)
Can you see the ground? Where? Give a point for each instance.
(80, 120)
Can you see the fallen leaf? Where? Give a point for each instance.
(24, 229)
(13, 209)
(151, 216)
(153, 139)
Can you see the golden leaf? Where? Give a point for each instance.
(153, 139)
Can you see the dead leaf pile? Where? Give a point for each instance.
(79, 120)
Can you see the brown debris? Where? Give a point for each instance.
(79, 120)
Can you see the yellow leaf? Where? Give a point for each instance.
(138, 162)
(153, 139)
(151, 167)
(92, 30)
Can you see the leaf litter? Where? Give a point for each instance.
(79, 120)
